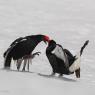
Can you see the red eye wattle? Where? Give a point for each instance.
(46, 38)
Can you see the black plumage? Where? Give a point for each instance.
(58, 65)
(22, 46)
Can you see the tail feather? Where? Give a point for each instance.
(8, 58)
(82, 48)
(75, 67)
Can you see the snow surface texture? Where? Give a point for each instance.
(69, 23)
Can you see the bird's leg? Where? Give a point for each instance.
(19, 61)
(28, 64)
(30, 61)
(25, 61)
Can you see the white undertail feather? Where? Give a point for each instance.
(6, 56)
(76, 63)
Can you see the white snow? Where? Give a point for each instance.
(70, 23)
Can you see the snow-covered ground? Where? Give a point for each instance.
(68, 22)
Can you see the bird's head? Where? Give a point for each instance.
(40, 37)
(46, 39)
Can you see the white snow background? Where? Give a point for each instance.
(70, 23)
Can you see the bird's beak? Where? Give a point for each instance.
(45, 42)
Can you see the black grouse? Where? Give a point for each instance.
(21, 47)
(62, 61)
